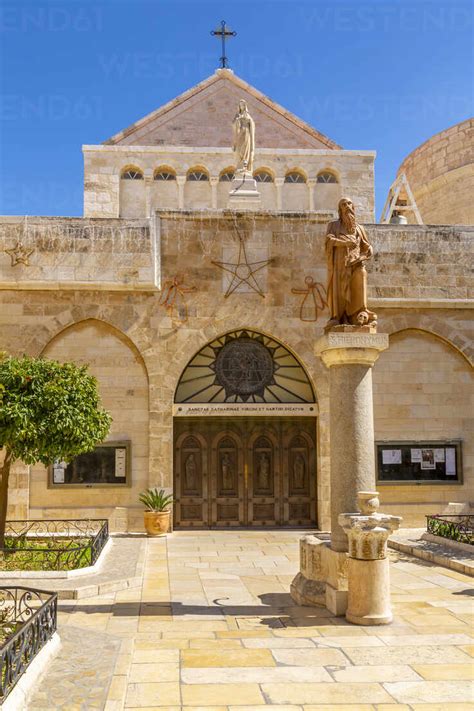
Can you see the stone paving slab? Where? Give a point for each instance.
(194, 639)
(409, 540)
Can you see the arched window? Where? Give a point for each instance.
(294, 177)
(164, 174)
(263, 176)
(226, 176)
(326, 177)
(132, 174)
(244, 366)
(197, 175)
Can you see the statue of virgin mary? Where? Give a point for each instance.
(244, 139)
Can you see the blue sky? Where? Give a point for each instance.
(371, 74)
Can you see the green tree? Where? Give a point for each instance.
(48, 411)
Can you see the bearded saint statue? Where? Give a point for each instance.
(347, 248)
(244, 139)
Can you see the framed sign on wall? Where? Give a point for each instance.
(107, 465)
(419, 462)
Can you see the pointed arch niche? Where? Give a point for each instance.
(244, 366)
(123, 385)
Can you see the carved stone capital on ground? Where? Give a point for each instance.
(368, 565)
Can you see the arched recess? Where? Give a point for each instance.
(123, 385)
(244, 366)
(197, 189)
(164, 189)
(132, 195)
(295, 196)
(327, 190)
(422, 392)
(446, 327)
(265, 178)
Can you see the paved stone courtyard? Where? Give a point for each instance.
(212, 627)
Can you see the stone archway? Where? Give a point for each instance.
(244, 436)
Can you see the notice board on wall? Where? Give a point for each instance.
(419, 461)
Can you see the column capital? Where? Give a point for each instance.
(279, 181)
(214, 179)
(312, 182)
(350, 348)
(181, 179)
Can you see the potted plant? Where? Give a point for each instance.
(156, 516)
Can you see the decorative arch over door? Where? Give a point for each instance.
(244, 366)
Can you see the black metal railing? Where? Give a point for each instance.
(456, 527)
(60, 544)
(28, 619)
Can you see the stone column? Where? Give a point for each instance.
(148, 183)
(279, 185)
(181, 180)
(350, 353)
(214, 181)
(311, 183)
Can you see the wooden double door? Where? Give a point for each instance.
(244, 471)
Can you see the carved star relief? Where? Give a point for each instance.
(243, 271)
(20, 254)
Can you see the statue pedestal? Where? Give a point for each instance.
(349, 352)
(350, 357)
(244, 193)
(322, 579)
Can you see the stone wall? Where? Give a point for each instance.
(423, 390)
(106, 195)
(441, 176)
(419, 280)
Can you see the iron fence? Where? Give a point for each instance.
(59, 544)
(28, 619)
(456, 527)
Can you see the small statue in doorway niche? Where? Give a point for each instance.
(190, 472)
(227, 472)
(298, 472)
(347, 250)
(263, 472)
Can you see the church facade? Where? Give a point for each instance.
(199, 322)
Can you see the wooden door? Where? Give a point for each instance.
(262, 478)
(191, 480)
(227, 480)
(299, 470)
(245, 472)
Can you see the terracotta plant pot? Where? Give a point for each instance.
(157, 522)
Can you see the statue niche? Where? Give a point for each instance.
(347, 250)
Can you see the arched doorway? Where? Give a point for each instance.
(244, 436)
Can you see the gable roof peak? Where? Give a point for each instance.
(142, 128)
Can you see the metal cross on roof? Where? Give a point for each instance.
(224, 33)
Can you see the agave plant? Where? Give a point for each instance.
(155, 500)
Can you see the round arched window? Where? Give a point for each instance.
(132, 174)
(227, 176)
(197, 176)
(164, 175)
(294, 177)
(244, 366)
(326, 177)
(263, 176)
